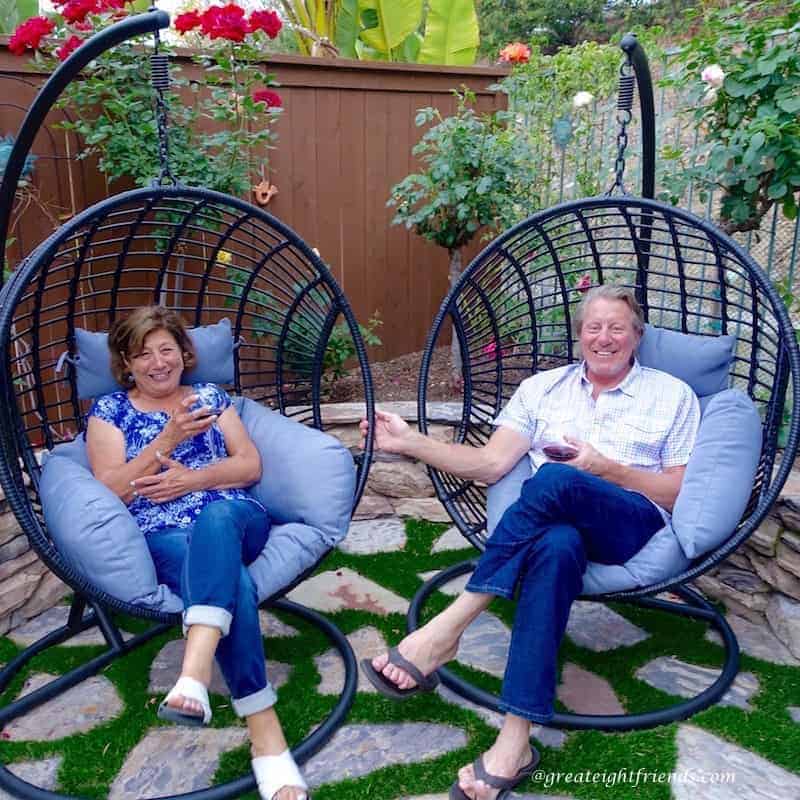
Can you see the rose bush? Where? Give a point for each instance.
(219, 140)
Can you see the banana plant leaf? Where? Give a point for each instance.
(451, 33)
(396, 20)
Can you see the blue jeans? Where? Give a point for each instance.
(206, 565)
(563, 518)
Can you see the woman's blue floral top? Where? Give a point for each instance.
(141, 427)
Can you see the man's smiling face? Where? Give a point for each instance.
(608, 340)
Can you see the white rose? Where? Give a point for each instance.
(713, 76)
(582, 99)
(710, 96)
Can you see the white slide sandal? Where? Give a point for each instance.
(274, 772)
(193, 690)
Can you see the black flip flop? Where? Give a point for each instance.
(425, 683)
(505, 785)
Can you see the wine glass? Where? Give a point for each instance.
(553, 440)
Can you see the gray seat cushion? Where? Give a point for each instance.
(714, 494)
(659, 559)
(307, 486)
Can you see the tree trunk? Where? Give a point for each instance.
(456, 378)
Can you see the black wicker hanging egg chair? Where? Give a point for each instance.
(510, 313)
(207, 255)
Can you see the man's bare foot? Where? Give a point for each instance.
(498, 761)
(427, 649)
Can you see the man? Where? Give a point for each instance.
(637, 427)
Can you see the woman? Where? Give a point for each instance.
(181, 463)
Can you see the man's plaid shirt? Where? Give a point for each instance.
(649, 421)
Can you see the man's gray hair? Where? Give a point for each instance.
(608, 291)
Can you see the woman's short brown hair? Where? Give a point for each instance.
(126, 337)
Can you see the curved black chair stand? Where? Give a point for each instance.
(511, 312)
(208, 256)
(694, 606)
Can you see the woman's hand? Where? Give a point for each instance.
(183, 423)
(174, 482)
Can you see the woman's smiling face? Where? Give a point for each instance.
(158, 366)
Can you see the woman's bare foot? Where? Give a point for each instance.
(185, 705)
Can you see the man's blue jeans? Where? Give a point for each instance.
(563, 518)
(206, 565)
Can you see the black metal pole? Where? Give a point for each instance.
(50, 92)
(647, 109)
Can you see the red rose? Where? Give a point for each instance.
(225, 22)
(68, 48)
(29, 34)
(78, 10)
(272, 99)
(267, 21)
(187, 22)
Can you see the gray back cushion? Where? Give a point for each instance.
(213, 346)
(307, 486)
(704, 362)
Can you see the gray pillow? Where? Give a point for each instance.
(213, 346)
(95, 533)
(703, 362)
(658, 560)
(719, 475)
(307, 485)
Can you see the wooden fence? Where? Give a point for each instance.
(345, 138)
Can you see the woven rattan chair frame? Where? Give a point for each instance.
(511, 313)
(209, 256)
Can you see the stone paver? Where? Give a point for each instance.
(166, 668)
(451, 539)
(172, 760)
(42, 774)
(344, 588)
(82, 708)
(485, 644)
(757, 641)
(453, 588)
(596, 627)
(736, 773)
(550, 737)
(367, 643)
(357, 750)
(794, 713)
(272, 626)
(428, 508)
(372, 506)
(366, 537)
(584, 692)
(48, 621)
(676, 677)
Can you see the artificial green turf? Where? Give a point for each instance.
(91, 760)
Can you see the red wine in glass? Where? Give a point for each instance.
(558, 452)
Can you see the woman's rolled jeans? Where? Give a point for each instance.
(563, 518)
(207, 565)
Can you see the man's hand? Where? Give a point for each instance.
(174, 482)
(588, 459)
(392, 433)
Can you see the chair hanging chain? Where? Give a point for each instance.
(627, 87)
(159, 78)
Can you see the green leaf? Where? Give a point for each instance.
(790, 105)
(396, 20)
(409, 51)
(736, 89)
(790, 207)
(451, 33)
(777, 190)
(347, 27)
